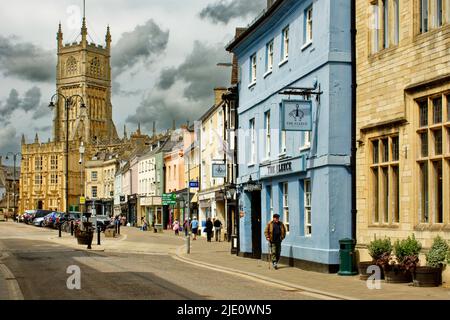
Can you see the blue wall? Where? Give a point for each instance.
(327, 61)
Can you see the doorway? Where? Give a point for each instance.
(256, 224)
(40, 205)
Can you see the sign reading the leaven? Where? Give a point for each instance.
(219, 170)
(297, 115)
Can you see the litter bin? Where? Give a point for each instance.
(234, 244)
(347, 257)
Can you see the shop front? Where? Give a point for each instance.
(155, 213)
(145, 205)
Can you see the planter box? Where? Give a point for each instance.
(394, 274)
(427, 277)
(362, 268)
(85, 237)
(110, 233)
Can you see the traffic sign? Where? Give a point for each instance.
(169, 199)
(193, 184)
(82, 200)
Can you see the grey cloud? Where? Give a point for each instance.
(199, 71)
(139, 45)
(222, 11)
(117, 90)
(167, 78)
(30, 101)
(26, 61)
(9, 141)
(156, 107)
(42, 111)
(12, 104)
(43, 129)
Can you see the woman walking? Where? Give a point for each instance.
(176, 227)
(209, 229)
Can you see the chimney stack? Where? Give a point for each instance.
(218, 92)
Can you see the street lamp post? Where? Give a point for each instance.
(188, 199)
(14, 155)
(68, 104)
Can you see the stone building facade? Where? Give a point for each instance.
(403, 120)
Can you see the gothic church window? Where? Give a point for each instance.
(95, 67)
(71, 66)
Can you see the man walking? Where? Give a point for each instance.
(218, 228)
(275, 233)
(194, 227)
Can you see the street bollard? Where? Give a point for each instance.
(59, 229)
(98, 235)
(71, 227)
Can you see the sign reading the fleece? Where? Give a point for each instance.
(297, 115)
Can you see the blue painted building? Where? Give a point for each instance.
(302, 175)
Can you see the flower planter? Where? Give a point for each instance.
(85, 237)
(394, 274)
(362, 268)
(427, 277)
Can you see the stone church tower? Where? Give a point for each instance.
(84, 69)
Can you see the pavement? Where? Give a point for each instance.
(215, 256)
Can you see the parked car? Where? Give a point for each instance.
(40, 214)
(39, 221)
(28, 216)
(101, 221)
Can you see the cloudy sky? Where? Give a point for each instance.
(164, 58)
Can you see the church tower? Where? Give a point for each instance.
(84, 69)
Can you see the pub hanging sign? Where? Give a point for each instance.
(297, 115)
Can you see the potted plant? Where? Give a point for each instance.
(431, 274)
(407, 258)
(85, 236)
(379, 250)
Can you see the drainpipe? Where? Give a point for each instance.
(353, 114)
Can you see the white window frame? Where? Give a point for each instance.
(268, 137)
(211, 137)
(307, 206)
(309, 25)
(252, 142)
(253, 66)
(269, 53)
(286, 206)
(203, 138)
(94, 175)
(271, 200)
(306, 140)
(285, 46)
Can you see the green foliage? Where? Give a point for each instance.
(438, 253)
(379, 247)
(407, 248)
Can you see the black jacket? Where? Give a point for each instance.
(217, 224)
(209, 226)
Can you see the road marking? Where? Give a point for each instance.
(13, 286)
(261, 279)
